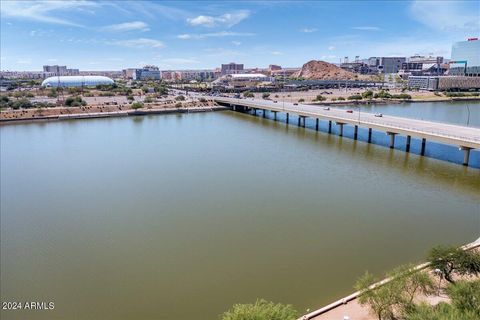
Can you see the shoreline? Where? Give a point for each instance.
(111, 114)
(343, 302)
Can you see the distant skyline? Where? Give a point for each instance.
(113, 35)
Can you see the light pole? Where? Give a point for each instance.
(283, 91)
(468, 112)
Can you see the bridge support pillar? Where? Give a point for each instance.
(422, 150)
(407, 147)
(369, 135)
(466, 154)
(301, 121)
(355, 133)
(287, 116)
(254, 111)
(316, 124)
(392, 139)
(340, 132)
(264, 114)
(329, 126)
(275, 115)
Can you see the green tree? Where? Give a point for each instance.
(395, 297)
(261, 310)
(367, 94)
(180, 98)
(382, 300)
(265, 95)
(382, 95)
(301, 100)
(451, 259)
(248, 94)
(320, 98)
(21, 104)
(465, 296)
(441, 311)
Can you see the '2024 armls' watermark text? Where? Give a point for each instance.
(28, 305)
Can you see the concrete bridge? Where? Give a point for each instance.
(466, 138)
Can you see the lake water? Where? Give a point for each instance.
(181, 216)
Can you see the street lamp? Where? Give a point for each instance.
(468, 117)
(283, 91)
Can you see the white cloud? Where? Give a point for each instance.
(205, 21)
(447, 15)
(187, 36)
(139, 43)
(236, 43)
(127, 26)
(331, 48)
(308, 30)
(52, 60)
(24, 61)
(366, 28)
(227, 20)
(44, 11)
(184, 36)
(276, 53)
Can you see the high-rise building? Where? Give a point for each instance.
(465, 58)
(56, 70)
(386, 64)
(232, 68)
(146, 73)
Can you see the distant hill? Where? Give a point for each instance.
(321, 70)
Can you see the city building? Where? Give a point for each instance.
(285, 72)
(231, 68)
(243, 80)
(148, 72)
(434, 83)
(356, 67)
(386, 64)
(57, 70)
(465, 58)
(76, 81)
(274, 67)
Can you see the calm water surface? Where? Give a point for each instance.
(181, 216)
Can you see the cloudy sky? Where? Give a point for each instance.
(112, 35)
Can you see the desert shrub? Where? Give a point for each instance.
(76, 101)
(355, 97)
(261, 310)
(137, 105)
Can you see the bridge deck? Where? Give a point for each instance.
(468, 137)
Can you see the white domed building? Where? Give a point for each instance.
(76, 81)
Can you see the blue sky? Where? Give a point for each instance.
(112, 35)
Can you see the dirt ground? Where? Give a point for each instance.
(330, 94)
(44, 112)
